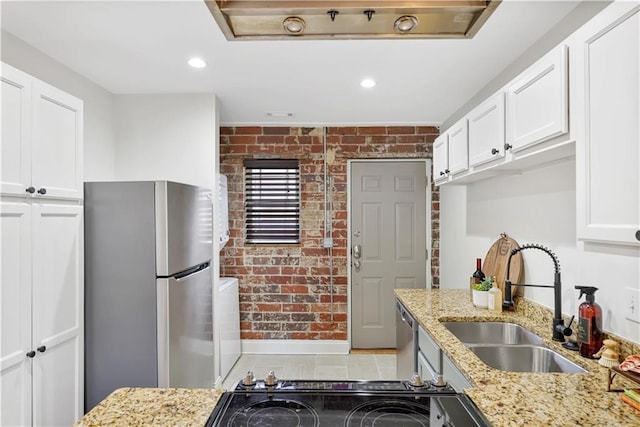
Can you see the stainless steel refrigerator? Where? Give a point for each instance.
(148, 287)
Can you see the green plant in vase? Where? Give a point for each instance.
(485, 285)
(481, 292)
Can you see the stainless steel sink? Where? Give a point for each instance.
(492, 333)
(524, 358)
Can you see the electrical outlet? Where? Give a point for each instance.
(632, 304)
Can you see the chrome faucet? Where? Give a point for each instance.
(559, 329)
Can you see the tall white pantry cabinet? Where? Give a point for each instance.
(42, 293)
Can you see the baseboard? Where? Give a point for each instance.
(295, 347)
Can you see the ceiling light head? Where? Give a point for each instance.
(367, 83)
(197, 62)
(405, 24)
(293, 25)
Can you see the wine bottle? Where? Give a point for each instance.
(478, 275)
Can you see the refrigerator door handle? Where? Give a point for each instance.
(187, 274)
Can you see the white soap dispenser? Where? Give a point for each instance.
(494, 297)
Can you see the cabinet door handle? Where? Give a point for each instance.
(447, 171)
(494, 151)
(31, 354)
(638, 235)
(441, 173)
(42, 348)
(507, 146)
(30, 190)
(42, 191)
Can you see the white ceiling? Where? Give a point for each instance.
(142, 47)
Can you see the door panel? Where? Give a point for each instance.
(388, 219)
(15, 303)
(57, 142)
(15, 169)
(58, 296)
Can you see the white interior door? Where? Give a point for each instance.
(388, 244)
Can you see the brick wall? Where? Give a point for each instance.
(284, 289)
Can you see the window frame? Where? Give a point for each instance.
(272, 201)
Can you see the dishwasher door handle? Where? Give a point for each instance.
(406, 318)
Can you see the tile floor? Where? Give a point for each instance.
(353, 366)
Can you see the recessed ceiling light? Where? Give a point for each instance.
(197, 63)
(368, 83)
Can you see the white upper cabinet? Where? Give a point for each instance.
(42, 136)
(441, 158)
(606, 85)
(458, 147)
(538, 102)
(16, 130)
(486, 131)
(451, 153)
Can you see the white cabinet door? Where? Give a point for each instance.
(15, 297)
(538, 101)
(57, 142)
(453, 376)
(58, 316)
(16, 127)
(441, 158)
(458, 147)
(486, 130)
(607, 92)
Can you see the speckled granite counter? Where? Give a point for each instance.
(521, 399)
(153, 407)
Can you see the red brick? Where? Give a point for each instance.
(372, 130)
(248, 130)
(276, 130)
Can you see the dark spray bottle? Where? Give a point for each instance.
(589, 323)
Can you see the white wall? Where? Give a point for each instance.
(536, 207)
(166, 137)
(99, 152)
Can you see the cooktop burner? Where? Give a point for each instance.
(342, 403)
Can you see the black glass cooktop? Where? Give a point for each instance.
(343, 408)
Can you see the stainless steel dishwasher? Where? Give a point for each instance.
(406, 343)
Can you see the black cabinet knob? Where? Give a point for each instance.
(494, 151)
(30, 190)
(441, 173)
(31, 354)
(507, 146)
(638, 235)
(42, 348)
(42, 191)
(447, 171)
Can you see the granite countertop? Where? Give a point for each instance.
(153, 407)
(521, 399)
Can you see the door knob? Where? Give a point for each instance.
(30, 190)
(356, 251)
(42, 348)
(42, 191)
(31, 354)
(356, 264)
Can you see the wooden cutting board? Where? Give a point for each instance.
(495, 262)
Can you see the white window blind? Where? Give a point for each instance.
(272, 201)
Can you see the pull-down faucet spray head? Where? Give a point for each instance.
(559, 330)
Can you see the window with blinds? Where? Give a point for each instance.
(272, 201)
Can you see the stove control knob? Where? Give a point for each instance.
(271, 379)
(249, 379)
(416, 381)
(439, 381)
